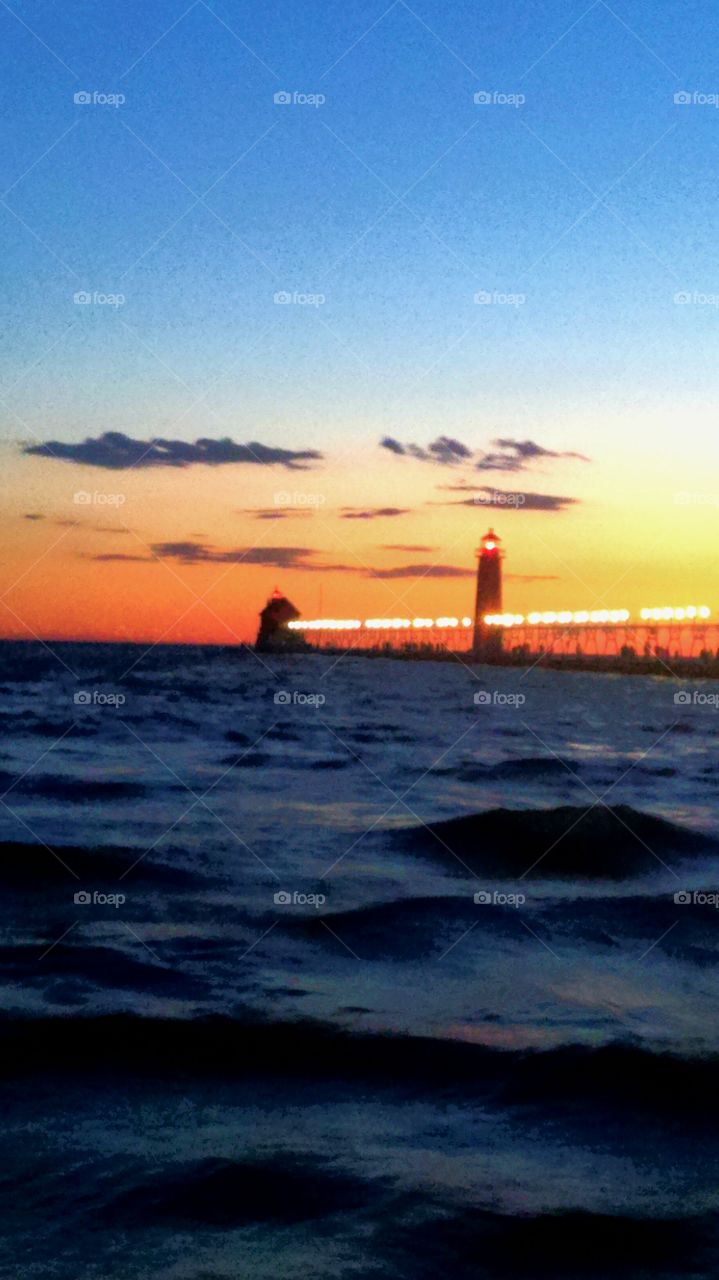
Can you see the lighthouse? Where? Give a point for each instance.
(274, 634)
(488, 640)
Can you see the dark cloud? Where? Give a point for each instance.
(115, 451)
(504, 500)
(300, 559)
(121, 555)
(405, 546)
(531, 577)
(517, 455)
(422, 571)
(33, 515)
(197, 553)
(373, 513)
(444, 449)
(272, 513)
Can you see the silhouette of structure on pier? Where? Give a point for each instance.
(487, 642)
(274, 635)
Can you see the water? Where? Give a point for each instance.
(255, 1022)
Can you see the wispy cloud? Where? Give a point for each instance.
(115, 451)
(405, 546)
(422, 571)
(444, 450)
(372, 513)
(517, 455)
(507, 500)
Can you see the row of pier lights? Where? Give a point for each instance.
(600, 631)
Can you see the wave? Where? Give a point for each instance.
(81, 967)
(32, 865)
(225, 1193)
(510, 770)
(619, 1076)
(593, 843)
(485, 1245)
(51, 786)
(42, 726)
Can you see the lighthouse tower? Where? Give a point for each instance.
(488, 640)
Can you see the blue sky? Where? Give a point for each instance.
(313, 200)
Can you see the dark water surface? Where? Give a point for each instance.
(255, 1023)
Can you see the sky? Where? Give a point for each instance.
(312, 295)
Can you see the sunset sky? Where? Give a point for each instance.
(295, 285)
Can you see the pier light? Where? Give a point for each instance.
(549, 617)
(534, 618)
(466, 622)
(704, 611)
(582, 616)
